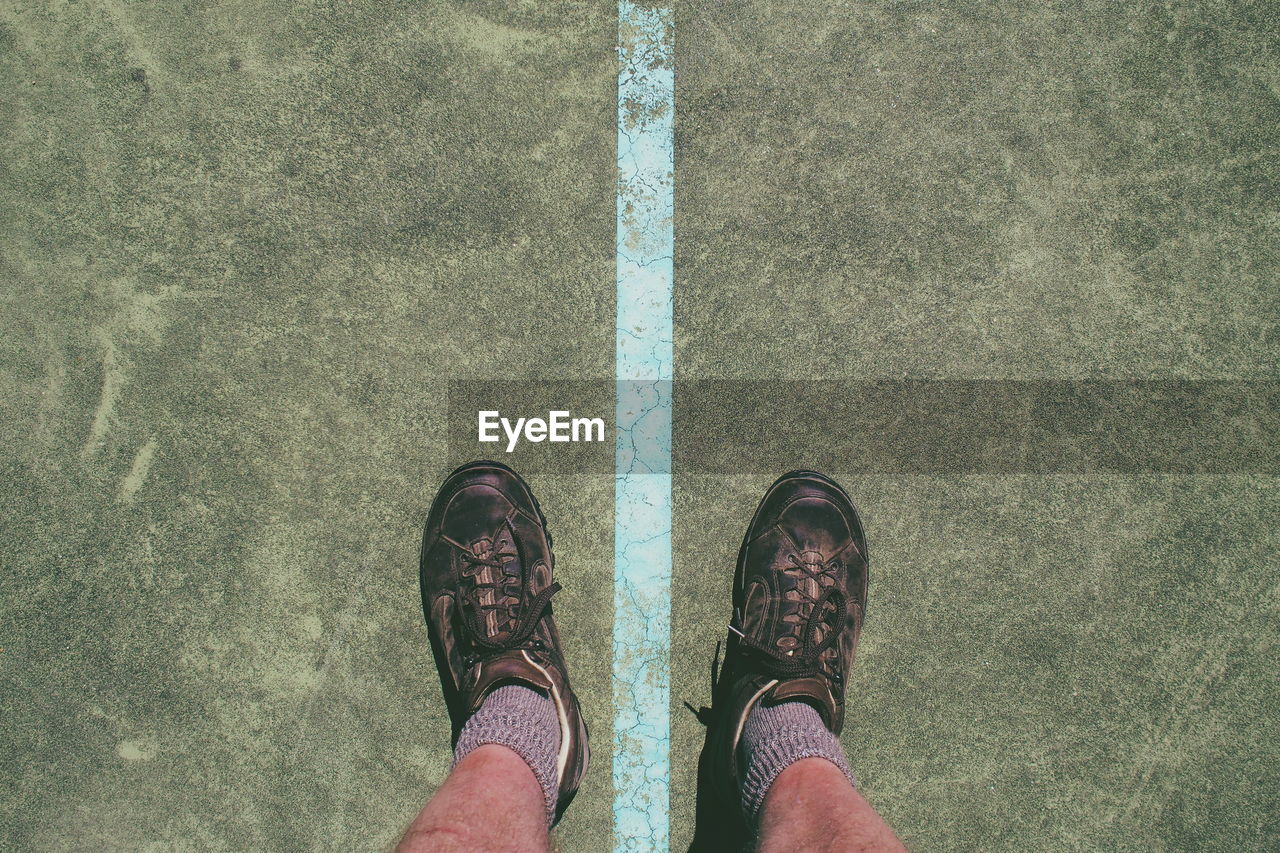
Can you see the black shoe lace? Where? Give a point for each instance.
(774, 662)
(807, 660)
(523, 622)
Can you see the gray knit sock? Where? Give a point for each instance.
(525, 721)
(774, 738)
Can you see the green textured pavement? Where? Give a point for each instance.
(246, 245)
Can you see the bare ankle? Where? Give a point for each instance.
(813, 806)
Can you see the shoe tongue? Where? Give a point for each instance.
(495, 611)
(807, 572)
(513, 667)
(499, 542)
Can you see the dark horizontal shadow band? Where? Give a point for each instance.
(907, 426)
(978, 426)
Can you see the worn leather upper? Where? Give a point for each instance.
(799, 597)
(486, 576)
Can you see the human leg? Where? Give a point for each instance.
(491, 802)
(811, 806)
(773, 754)
(486, 575)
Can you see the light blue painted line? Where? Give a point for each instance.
(642, 490)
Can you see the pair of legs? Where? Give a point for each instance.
(491, 802)
(772, 768)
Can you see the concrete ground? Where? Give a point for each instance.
(247, 244)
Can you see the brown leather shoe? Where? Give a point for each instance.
(798, 601)
(486, 592)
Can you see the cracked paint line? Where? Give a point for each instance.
(642, 493)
